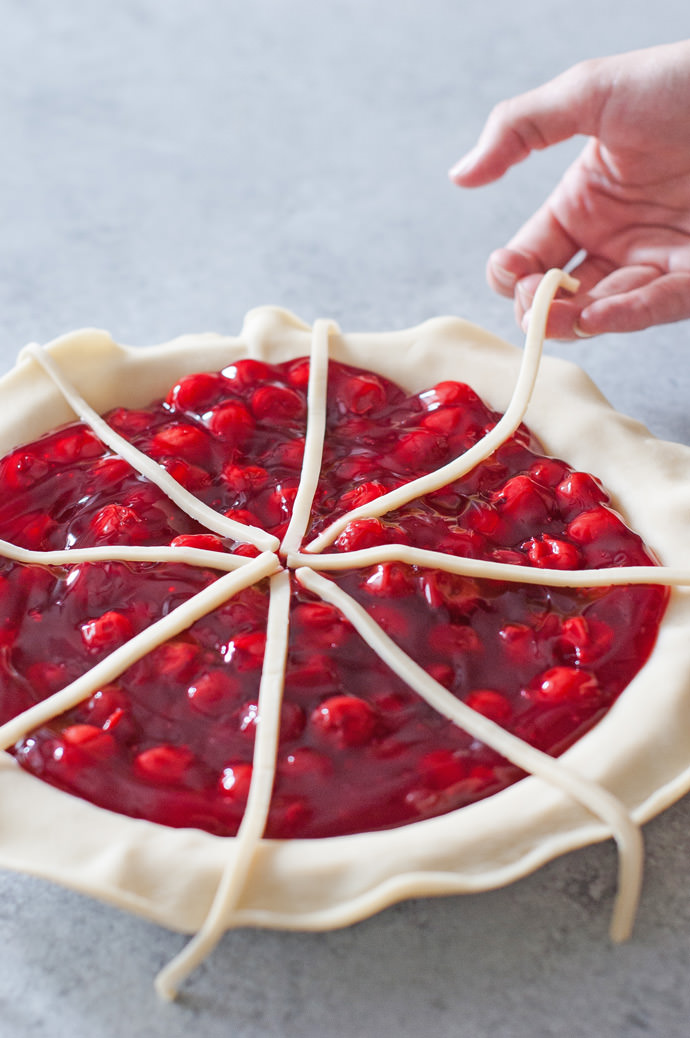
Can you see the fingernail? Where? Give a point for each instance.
(505, 278)
(461, 167)
(581, 334)
(524, 297)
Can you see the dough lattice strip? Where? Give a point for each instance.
(485, 569)
(199, 557)
(310, 560)
(110, 668)
(314, 440)
(190, 504)
(460, 466)
(593, 796)
(253, 823)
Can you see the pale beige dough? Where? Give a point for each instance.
(316, 884)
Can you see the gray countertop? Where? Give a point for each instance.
(169, 164)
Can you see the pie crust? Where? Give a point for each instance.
(640, 751)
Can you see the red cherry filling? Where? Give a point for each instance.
(172, 739)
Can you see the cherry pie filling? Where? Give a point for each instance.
(172, 739)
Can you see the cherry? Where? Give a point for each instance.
(358, 749)
(191, 477)
(247, 650)
(523, 501)
(107, 708)
(289, 453)
(36, 531)
(363, 533)
(454, 640)
(355, 467)
(243, 515)
(520, 644)
(175, 659)
(183, 440)
(47, 677)
(549, 472)
(298, 373)
(22, 469)
(74, 444)
(419, 451)
(321, 624)
(585, 640)
(127, 422)
(249, 551)
(213, 692)
(305, 762)
(245, 479)
(451, 393)
(114, 522)
(344, 721)
(462, 542)
(277, 404)
(597, 523)
(553, 553)
(202, 541)
(235, 781)
(231, 422)
(361, 495)
(164, 764)
(361, 394)
(106, 632)
(314, 675)
(389, 580)
(292, 719)
(440, 769)
(491, 704)
(245, 373)
(458, 594)
(482, 517)
(578, 492)
(94, 743)
(444, 420)
(443, 673)
(395, 623)
(195, 393)
(564, 685)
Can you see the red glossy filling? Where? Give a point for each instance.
(172, 740)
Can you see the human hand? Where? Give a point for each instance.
(624, 202)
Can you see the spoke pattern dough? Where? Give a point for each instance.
(276, 562)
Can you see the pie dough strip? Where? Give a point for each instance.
(120, 659)
(315, 436)
(591, 795)
(505, 427)
(486, 570)
(200, 557)
(149, 468)
(242, 847)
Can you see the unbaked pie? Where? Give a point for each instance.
(278, 646)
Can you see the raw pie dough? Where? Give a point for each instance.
(640, 751)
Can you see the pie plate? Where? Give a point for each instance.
(639, 752)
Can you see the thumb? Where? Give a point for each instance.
(568, 105)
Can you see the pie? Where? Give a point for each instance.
(348, 518)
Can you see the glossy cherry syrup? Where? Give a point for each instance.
(172, 739)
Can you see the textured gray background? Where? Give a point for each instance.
(167, 166)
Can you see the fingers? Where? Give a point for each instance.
(663, 300)
(592, 273)
(559, 109)
(540, 244)
(564, 312)
(627, 300)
